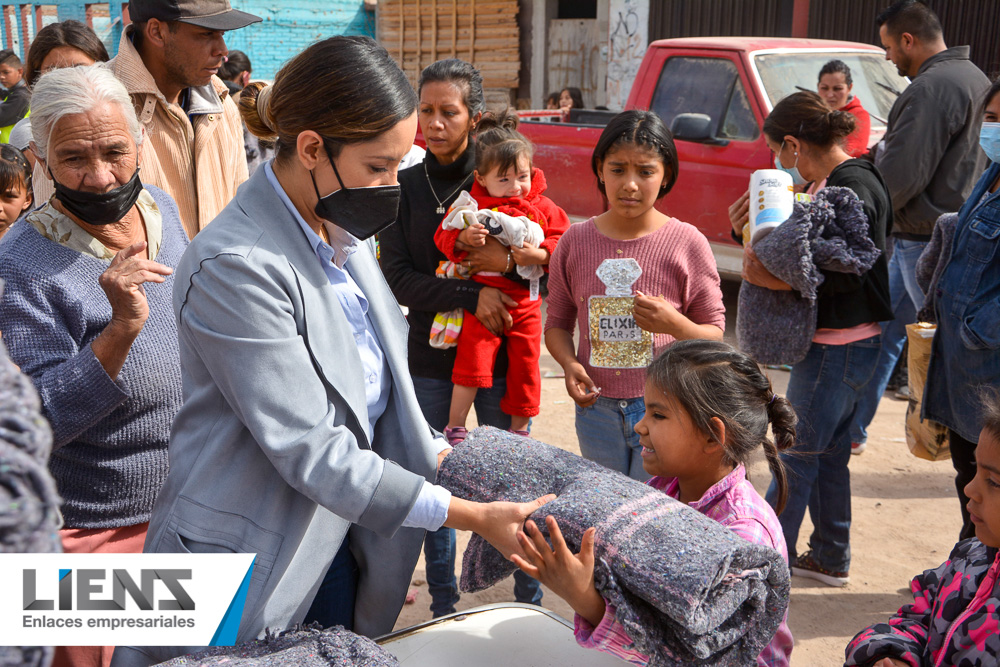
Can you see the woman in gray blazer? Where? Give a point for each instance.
(300, 438)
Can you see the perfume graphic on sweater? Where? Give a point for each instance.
(616, 341)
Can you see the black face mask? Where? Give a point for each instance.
(99, 209)
(363, 212)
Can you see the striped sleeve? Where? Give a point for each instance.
(608, 636)
(751, 529)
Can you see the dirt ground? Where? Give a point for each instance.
(905, 520)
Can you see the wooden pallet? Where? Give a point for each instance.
(484, 32)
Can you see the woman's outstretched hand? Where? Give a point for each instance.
(497, 522)
(569, 575)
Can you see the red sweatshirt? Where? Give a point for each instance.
(537, 207)
(856, 143)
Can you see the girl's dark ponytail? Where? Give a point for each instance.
(713, 380)
(783, 419)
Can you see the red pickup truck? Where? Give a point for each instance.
(713, 93)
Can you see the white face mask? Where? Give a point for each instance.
(989, 139)
(792, 171)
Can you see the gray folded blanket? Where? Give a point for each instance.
(687, 590)
(298, 647)
(830, 233)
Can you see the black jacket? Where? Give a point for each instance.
(931, 156)
(15, 107)
(847, 300)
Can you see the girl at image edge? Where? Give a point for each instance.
(954, 617)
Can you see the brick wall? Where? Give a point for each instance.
(286, 29)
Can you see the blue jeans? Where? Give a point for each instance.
(434, 397)
(334, 601)
(825, 389)
(907, 298)
(606, 432)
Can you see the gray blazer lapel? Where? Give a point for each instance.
(387, 318)
(325, 328)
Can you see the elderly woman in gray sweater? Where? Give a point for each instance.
(87, 312)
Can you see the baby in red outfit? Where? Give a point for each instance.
(505, 183)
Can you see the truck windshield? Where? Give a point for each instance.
(876, 83)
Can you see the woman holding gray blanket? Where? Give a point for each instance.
(807, 140)
(300, 438)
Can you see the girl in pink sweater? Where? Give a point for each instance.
(634, 280)
(708, 408)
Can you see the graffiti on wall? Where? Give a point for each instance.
(574, 57)
(628, 37)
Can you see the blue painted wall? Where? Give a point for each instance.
(288, 26)
(291, 25)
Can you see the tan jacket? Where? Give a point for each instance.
(199, 161)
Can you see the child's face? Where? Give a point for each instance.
(671, 444)
(632, 176)
(9, 75)
(13, 203)
(984, 490)
(515, 182)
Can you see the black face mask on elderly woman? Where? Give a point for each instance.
(102, 208)
(363, 212)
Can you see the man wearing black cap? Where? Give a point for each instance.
(168, 59)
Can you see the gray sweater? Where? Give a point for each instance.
(931, 156)
(110, 437)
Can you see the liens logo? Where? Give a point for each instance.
(122, 599)
(90, 583)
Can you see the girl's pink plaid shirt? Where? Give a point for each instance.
(734, 503)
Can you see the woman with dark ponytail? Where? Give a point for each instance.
(301, 439)
(708, 408)
(825, 388)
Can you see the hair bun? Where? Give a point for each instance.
(504, 119)
(255, 108)
(841, 123)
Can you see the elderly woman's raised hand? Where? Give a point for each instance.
(122, 284)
